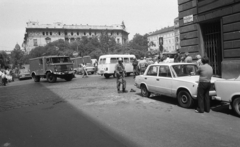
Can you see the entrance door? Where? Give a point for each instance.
(212, 44)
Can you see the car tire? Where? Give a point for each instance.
(51, 78)
(36, 78)
(144, 91)
(185, 100)
(106, 76)
(236, 106)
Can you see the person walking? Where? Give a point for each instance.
(85, 73)
(135, 67)
(120, 76)
(205, 71)
(142, 65)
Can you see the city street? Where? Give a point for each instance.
(88, 112)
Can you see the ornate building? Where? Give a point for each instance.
(168, 36)
(40, 34)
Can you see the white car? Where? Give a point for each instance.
(178, 80)
(229, 91)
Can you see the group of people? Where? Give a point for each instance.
(6, 75)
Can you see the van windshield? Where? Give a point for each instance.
(61, 60)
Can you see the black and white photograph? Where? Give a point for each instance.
(128, 73)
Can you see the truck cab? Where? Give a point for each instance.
(51, 68)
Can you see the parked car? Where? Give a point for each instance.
(89, 67)
(178, 80)
(24, 74)
(229, 91)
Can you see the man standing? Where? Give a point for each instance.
(120, 74)
(142, 65)
(205, 71)
(199, 60)
(135, 67)
(188, 58)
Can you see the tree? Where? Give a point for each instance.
(107, 43)
(17, 56)
(4, 59)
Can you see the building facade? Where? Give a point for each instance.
(211, 28)
(40, 34)
(177, 33)
(168, 36)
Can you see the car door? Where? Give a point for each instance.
(164, 80)
(151, 78)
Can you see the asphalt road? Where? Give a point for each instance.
(89, 112)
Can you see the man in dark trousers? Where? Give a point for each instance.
(205, 71)
(120, 72)
(135, 67)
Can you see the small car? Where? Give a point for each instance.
(89, 67)
(229, 91)
(178, 80)
(24, 74)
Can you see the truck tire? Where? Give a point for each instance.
(236, 106)
(36, 78)
(69, 77)
(106, 76)
(51, 78)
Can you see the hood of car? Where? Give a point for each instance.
(196, 79)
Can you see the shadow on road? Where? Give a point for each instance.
(33, 115)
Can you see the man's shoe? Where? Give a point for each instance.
(118, 91)
(124, 91)
(197, 111)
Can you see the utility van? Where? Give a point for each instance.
(107, 63)
(51, 68)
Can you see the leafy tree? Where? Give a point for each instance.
(4, 59)
(17, 56)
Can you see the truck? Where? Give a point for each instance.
(51, 68)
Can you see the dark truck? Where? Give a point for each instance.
(51, 68)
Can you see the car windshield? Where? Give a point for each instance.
(185, 70)
(61, 60)
(89, 65)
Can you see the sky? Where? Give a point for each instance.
(139, 16)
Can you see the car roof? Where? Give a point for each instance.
(170, 64)
(117, 55)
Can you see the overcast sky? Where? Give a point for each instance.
(139, 16)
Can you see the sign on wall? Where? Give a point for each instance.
(187, 19)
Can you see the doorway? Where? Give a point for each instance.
(211, 32)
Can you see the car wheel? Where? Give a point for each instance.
(184, 99)
(106, 76)
(36, 78)
(51, 78)
(236, 106)
(144, 91)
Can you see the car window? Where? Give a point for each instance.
(126, 60)
(185, 70)
(113, 60)
(40, 61)
(102, 61)
(152, 71)
(164, 71)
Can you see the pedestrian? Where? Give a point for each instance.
(188, 58)
(95, 66)
(84, 71)
(135, 67)
(142, 65)
(177, 57)
(120, 76)
(3, 77)
(199, 60)
(205, 71)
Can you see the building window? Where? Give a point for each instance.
(50, 33)
(71, 33)
(84, 33)
(77, 33)
(117, 33)
(46, 33)
(95, 33)
(118, 40)
(90, 33)
(35, 42)
(65, 33)
(43, 33)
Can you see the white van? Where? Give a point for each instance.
(107, 63)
